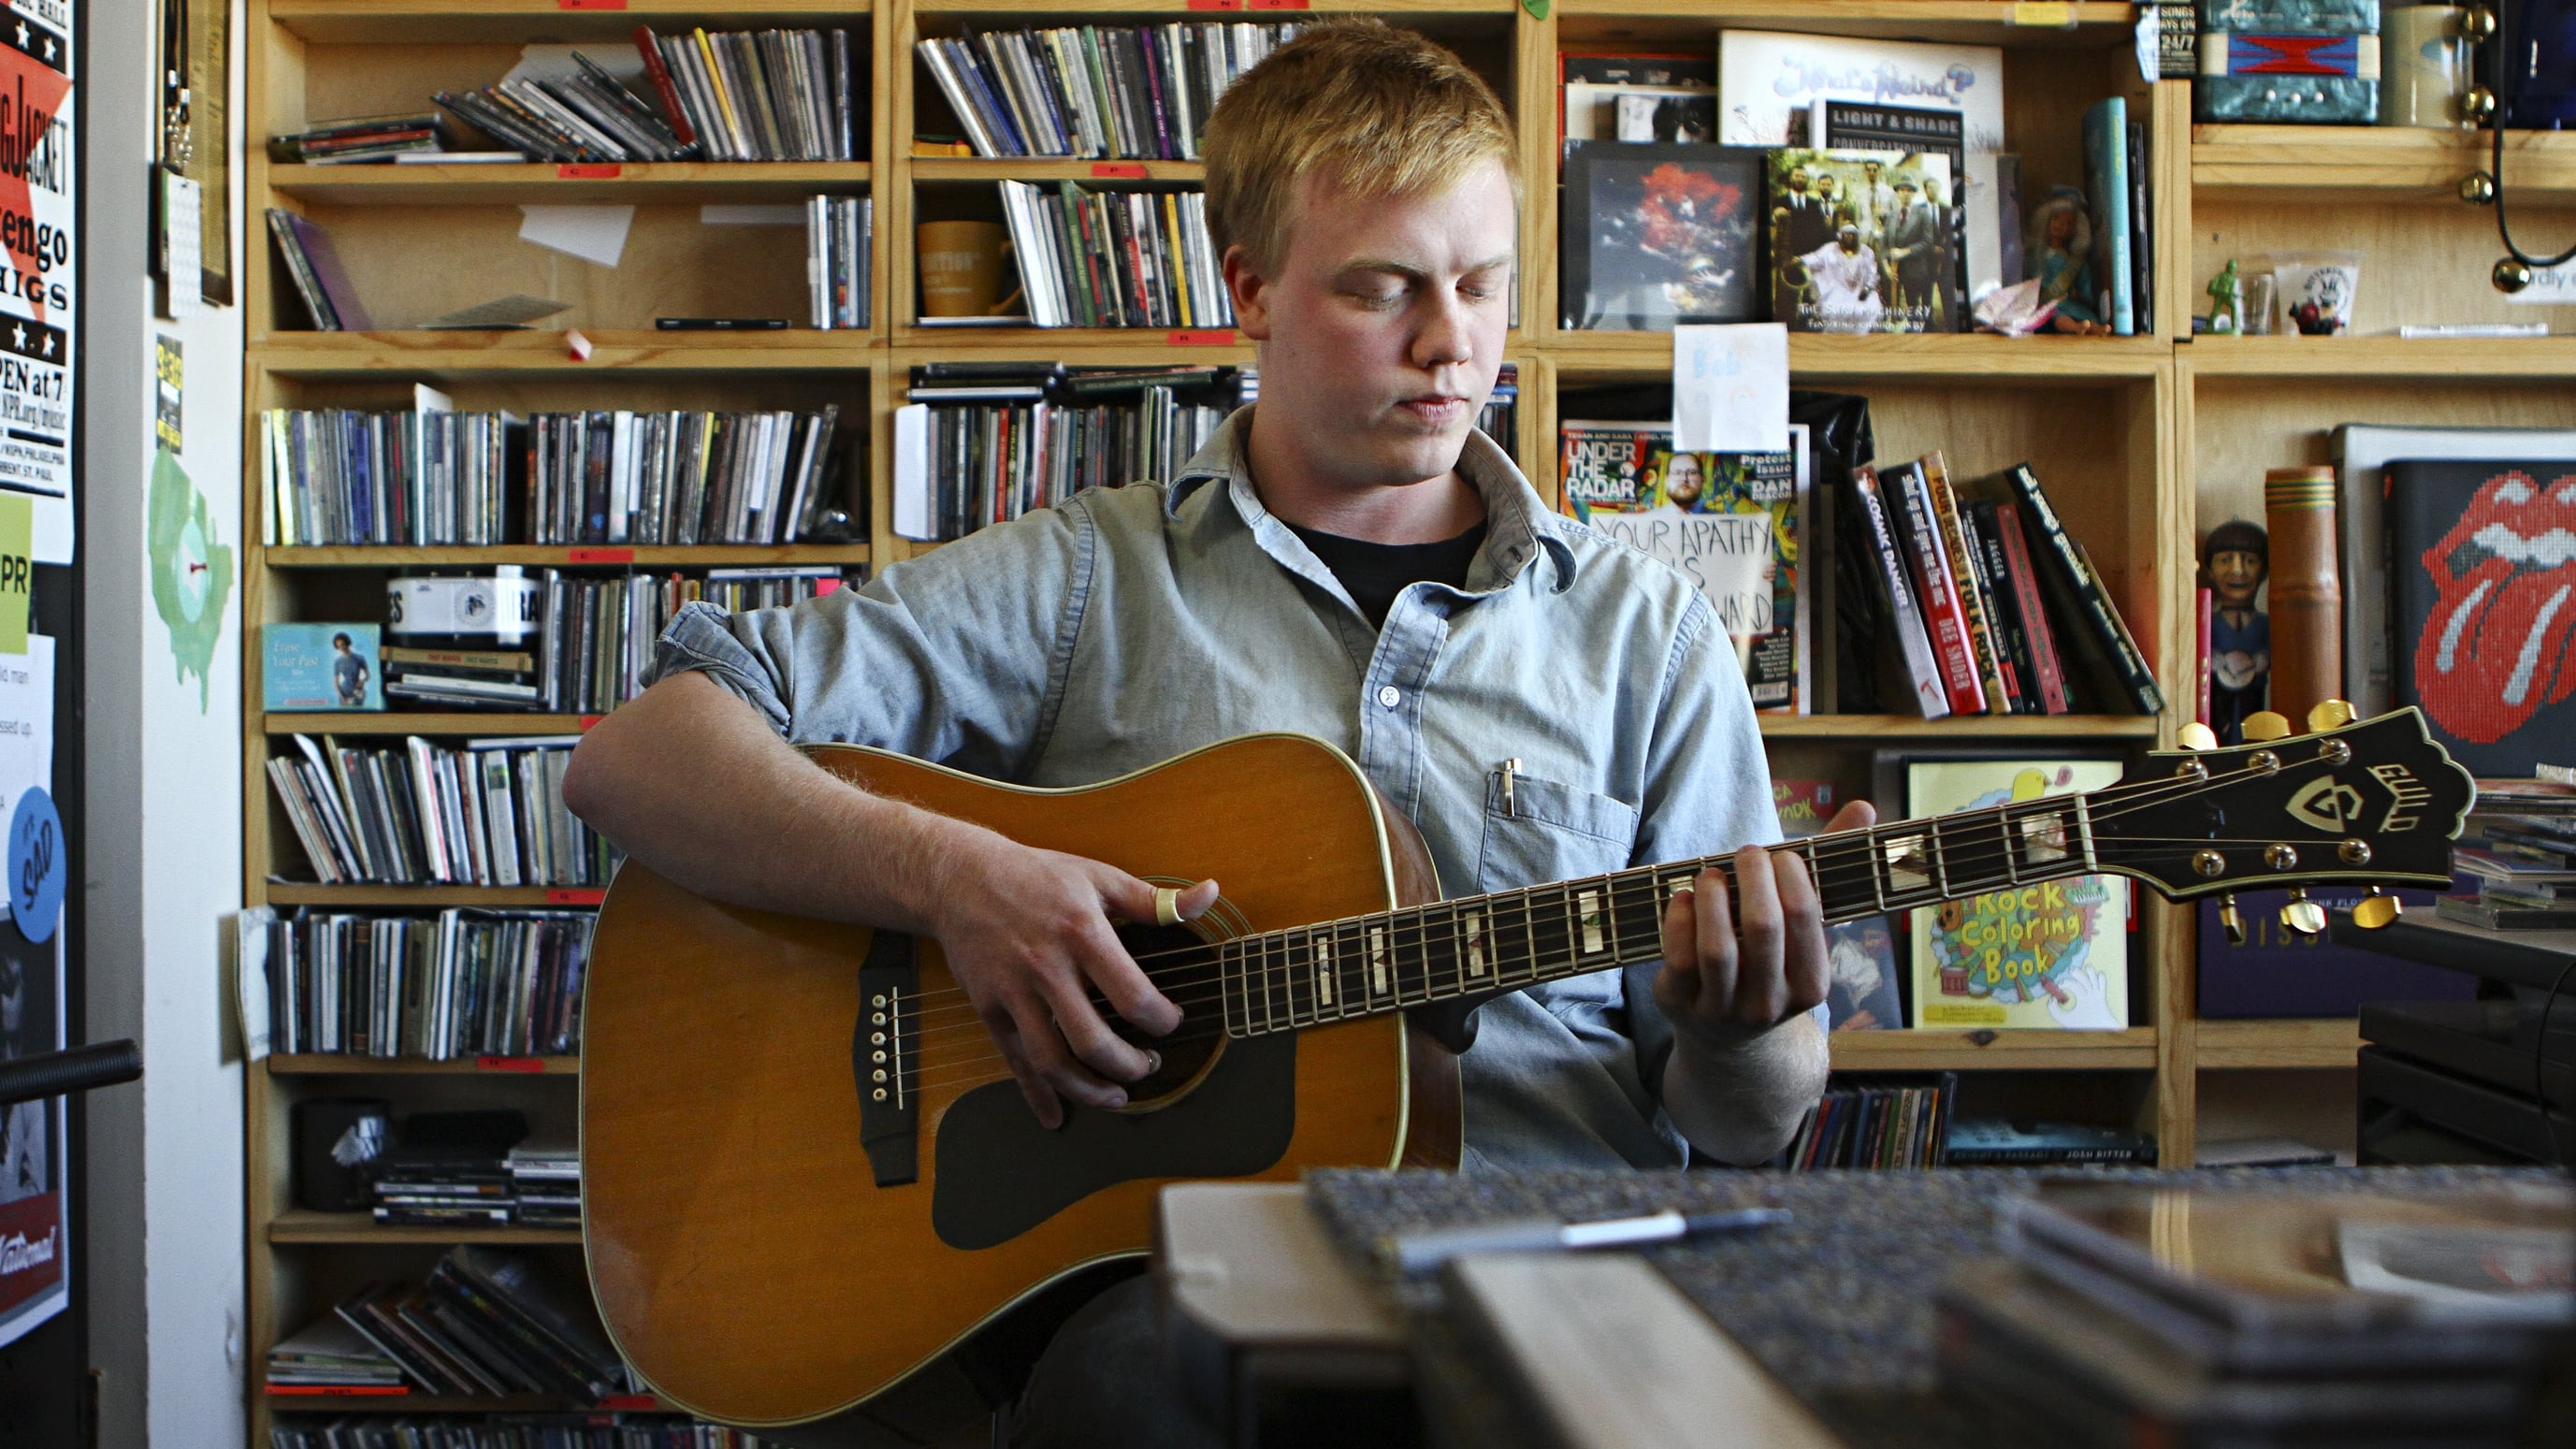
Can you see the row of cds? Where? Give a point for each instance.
(488, 814)
(769, 95)
(974, 451)
(435, 476)
(597, 647)
(1115, 258)
(1095, 90)
(838, 231)
(455, 985)
(488, 1322)
(585, 1429)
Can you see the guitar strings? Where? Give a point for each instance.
(1854, 863)
(944, 1075)
(1857, 857)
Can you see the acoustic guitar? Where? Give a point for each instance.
(807, 1172)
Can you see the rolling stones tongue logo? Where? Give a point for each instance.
(2502, 641)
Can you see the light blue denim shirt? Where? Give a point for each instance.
(1132, 624)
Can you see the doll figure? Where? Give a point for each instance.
(2226, 302)
(2234, 563)
(2060, 246)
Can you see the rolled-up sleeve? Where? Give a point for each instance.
(1708, 792)
(957, 656)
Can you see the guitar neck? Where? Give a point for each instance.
(1364, 965)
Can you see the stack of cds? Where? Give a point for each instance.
(545, 1183)
(838, 233)
(357, 138)
(330, 1355)
(588, 115)
(2520, 848)
(487, 1323)
(770, 95)
(428, 476)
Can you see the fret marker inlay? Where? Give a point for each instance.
(1324, 972)
(1587, 910)
(1377, 959)
(1475, 943)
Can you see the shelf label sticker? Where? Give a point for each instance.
(590, 719)
(1218, 337)
(2051, 14)
(575, 896)
(599, 555)
(590, 170)
(1119, 170)
(1216, 4)
(590, 4)
(337, 1391)
(510, 1064)
(1275, 5)
(630, 1401)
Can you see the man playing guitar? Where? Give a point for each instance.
(1349, 559)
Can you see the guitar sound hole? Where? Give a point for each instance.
(1185, 969)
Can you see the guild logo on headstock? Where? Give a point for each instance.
(2323, 804)
(2412, 796)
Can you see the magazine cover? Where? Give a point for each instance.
(320, 667)
(1658, 235)
(1861, 241)
(1861, 954)
(2053, 954)
(1628, 97)
(1735, 524)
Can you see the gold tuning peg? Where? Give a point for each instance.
(2196, 736)
(2376, 910)
(2264, 726)
(2232, 920)
(2303, 915)
(2329, 714)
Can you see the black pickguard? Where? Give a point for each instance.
(1001, 1174)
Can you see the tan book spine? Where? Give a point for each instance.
(2307, 590)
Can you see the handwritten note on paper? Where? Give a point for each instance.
(1731, 388)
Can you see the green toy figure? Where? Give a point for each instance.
(2226, 302)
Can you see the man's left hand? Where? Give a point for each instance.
(1735, 968)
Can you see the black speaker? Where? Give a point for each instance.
(337, 1142)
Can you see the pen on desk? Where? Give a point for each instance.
(1420, 1252)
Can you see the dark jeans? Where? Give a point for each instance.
(1105, 1381)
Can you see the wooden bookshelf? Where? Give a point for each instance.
(301, 1226)
(2156, 433)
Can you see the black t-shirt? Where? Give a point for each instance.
(1374, 573)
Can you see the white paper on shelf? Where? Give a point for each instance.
(1731, 388)
(912, 471)
(593, 233)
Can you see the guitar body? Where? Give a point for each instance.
(760, 1264)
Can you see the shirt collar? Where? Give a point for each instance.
(1518, 524)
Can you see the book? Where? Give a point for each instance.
(1657, 236)
(1735, 524)
(1896, 590)
(2101, 637)
(1928, 570)
(1861, 954)
(1602, 95)
(2480, 581)
(2053, 955)
(1967, 576)
(2142, 232)
(2106, 187)
(1993, 1142)
(320, 667)
(2362, 452)
(1839, 266)
(2016, 598)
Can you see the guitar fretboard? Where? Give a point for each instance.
(1363, 965)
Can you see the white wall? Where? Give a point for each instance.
(165, 1248)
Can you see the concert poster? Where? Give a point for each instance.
(39, 290)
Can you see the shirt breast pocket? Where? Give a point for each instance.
(1539, 830)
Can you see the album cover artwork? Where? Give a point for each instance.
(1661, 235)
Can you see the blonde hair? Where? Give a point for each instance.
(1369, 107)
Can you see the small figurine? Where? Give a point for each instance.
(2226, 302)
(2234, 563)
(2060, 246)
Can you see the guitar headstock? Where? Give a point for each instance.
(2376, 802)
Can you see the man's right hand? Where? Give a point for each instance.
(1027, 933)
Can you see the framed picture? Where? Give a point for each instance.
(1660, 235)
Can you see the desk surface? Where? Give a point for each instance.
(1837, 1303)
(2521, 958)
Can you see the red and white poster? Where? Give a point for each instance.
(39, 244)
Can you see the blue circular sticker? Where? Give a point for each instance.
(35, 865)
